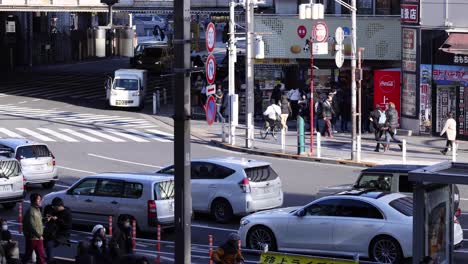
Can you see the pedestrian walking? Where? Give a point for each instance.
(450, 130)
(57, 227)
(9, 246)
(285, 111)
(327, 114)
(33, 230)
(219, 96)
(122, 237)
(391, 124)
(378, 119)
(99, 246)
(294, 96)
(229, 252)
(258, 100)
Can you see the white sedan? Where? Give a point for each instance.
(376, 225)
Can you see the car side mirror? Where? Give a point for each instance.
(300, 213)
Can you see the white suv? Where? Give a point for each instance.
(36, 159)
(11, 182)
(226, 187)
(146, 198)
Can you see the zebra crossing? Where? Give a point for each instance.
(75, 117)
(77, 135)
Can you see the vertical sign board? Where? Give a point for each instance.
(387, 88)
(210, 73)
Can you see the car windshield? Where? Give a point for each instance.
(9, 168)
(403, 205)
(153, 52)
(126, 84)
(379, 182)
(33, 151)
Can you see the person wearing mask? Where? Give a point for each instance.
(229, 252)
(450, 129)
(391, 124)
(99, 246)
(9, 246)
(327, 114)
(219, 103)
(378, 118)
(122, 237)
(276, 94)
(271, 114)
(58, 225)
(285, 111)
(33, 230)
(294, 96)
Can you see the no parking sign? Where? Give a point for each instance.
(210, 69)
(210, 109)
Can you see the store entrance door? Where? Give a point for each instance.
(445, 103)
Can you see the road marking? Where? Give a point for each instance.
(35, 100)
(35, 134)
(134, 138)
(56, 134)
(10, 133)
(159, 132)
(123, 161)
(61, 185)
(134, 131)
(78, 134)
(214, 228)
(99, 134)
(66, 168)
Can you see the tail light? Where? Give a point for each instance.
(53, 159)
(458, 212)
(245, 185)
(152, 213)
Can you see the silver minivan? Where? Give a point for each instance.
(36, 160)
(146, 198)
(11, 182)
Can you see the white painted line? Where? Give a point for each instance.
(59, 135)
(78, 134)
(214, 228)
(35, 134)
(71, 169)
(134, 138)
(147, 135)
(10, 133)
(100, 134)
(35, 100)
(159, 132)
(123, 161)
(22, 102)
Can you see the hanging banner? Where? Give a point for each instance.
(387, 88)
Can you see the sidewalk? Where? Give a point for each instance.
(420, 149)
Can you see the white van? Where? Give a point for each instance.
(11, 182)
(127, 89)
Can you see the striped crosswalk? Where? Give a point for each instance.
(87, 135)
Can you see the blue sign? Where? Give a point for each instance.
(210, 109)
(347, 32)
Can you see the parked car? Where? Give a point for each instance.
(226, 187)
(388, 178)
(11, 181)
(150, 21)
(147, 198)
(377, 225)
(36, 160)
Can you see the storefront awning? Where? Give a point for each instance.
(456, 43)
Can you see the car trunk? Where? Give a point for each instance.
(264, 182)
(35, 159)
(164, 199)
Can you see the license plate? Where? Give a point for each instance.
(267, 190)
(6, 188)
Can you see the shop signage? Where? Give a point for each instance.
(409, 13)
(301, 31)
(460, 59)
(320, 32)
(409, 49)
(408, 96)
(10, 27)
(320, 48)
(387, 88)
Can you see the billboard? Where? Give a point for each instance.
(387, 88)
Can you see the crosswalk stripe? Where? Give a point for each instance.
(159, 132)
(35, 134)
(80, 135)
(10, 133)
(147, 135)
(100, 134)
(129, 136)
(59, 135)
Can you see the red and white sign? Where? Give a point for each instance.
(210, 69)
(301, 31)
(210, 89)
(210, 37)
(409, 13)
(320, 33)
(387, 88)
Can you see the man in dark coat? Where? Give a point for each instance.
(391, 124)
(378, 118)
(58, 226)
(327, 115)
(122, 237)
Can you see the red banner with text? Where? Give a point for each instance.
(387, 88)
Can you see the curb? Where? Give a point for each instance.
(292, 156)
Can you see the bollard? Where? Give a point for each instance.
(134, 234)
(319, 145)
(454, 151)
(283, 140)
(165, 96)
(158, 245)
(154, 104)
(210, 250)
(300, 135)
(358, 142)
(403, 150)
(20, 217)
(110, 225)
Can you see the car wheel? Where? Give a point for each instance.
(9, 206)
(222, 211)
(48, 185)
(259, 236)
(385, 250)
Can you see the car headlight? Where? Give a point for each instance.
(244, 222)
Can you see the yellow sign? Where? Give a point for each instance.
(275, 258)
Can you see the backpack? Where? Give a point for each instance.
(382, 118)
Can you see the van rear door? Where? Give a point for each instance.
(164, 192)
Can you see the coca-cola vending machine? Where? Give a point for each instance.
(387, 88)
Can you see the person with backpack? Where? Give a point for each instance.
(378, 118)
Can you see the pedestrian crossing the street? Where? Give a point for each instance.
(75, 117)
(77, 135)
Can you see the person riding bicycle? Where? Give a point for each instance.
(272, 114)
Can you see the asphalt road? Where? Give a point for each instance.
(122, 153)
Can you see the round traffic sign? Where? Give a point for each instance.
(339, 58)
(210, 36)
(320, 32)
(339, 35)
(301, 31)
(210, 69)
(210, 110)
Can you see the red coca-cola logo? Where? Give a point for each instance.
(301, 31)
(387, 83)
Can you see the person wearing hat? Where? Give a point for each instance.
(99, 246)
(58, 225)
(229, 252)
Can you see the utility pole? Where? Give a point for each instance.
(182, 159)
(249, 7)
(232, 72)
(353, 79)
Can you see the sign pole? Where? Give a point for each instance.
(232, 73)
(312, 107)
(249, 6)
(353, 80)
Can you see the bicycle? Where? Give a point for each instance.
(273, 130)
